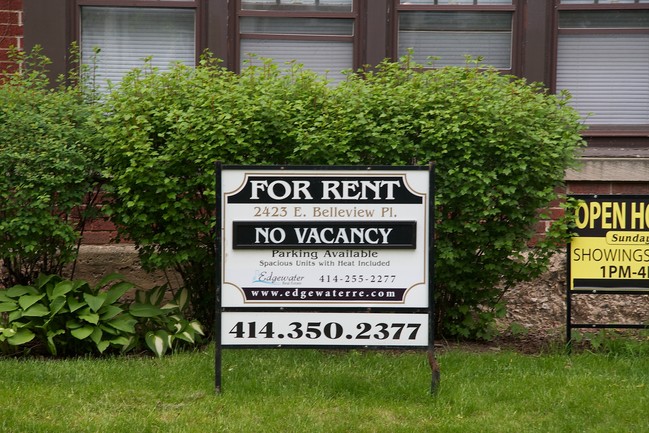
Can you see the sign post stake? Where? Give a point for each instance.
(434, 366)
(217, 274)
(568, 306)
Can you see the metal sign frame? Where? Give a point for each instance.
(605, 222)
(317, 323)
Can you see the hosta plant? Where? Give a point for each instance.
(161, 319)
(70, 318)
(67, 317)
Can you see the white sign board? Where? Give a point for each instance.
(325, 238)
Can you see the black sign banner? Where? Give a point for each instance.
(332, 295)
(335, 234)
(325, 189)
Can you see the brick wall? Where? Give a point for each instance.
(11, 30)
(100, 232)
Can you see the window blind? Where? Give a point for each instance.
(126, 36)
(607, 75)
(451, 47)
(450, 36)
(323, 57)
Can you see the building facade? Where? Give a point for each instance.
(596, 49)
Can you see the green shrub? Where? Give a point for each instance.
(48, 183)
(71, 318)
(500, 145)
(161, 138)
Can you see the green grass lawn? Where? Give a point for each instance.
(326, 391)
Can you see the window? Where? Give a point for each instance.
(128, 35)
(603, 60)
(445, 32)
(320, 34)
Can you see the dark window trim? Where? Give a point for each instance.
(374, 32)
(622, 131)
(535, 41)
(516, 8)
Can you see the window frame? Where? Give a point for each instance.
(603, 131)
(516, 9)
(358, 11)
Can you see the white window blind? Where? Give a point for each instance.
(451, 47)
(451, 36)
(126, 36)
(328, 58)
(608, 76)
(323, 55)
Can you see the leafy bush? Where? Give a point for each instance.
(48, 183)
(500, 146)
(161, 138)
(73, 318)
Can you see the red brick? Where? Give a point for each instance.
(557, 202)
(542, 226)
(4, 72)
(100, 225)
(555, 213)
(11, 30)
(9, 41)
(7, 17)
(589, 188)
(7, 67)
(98, 238)
(631, 188)
(11, 5)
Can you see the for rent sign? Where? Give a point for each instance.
(325, 238)
(325, 256)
